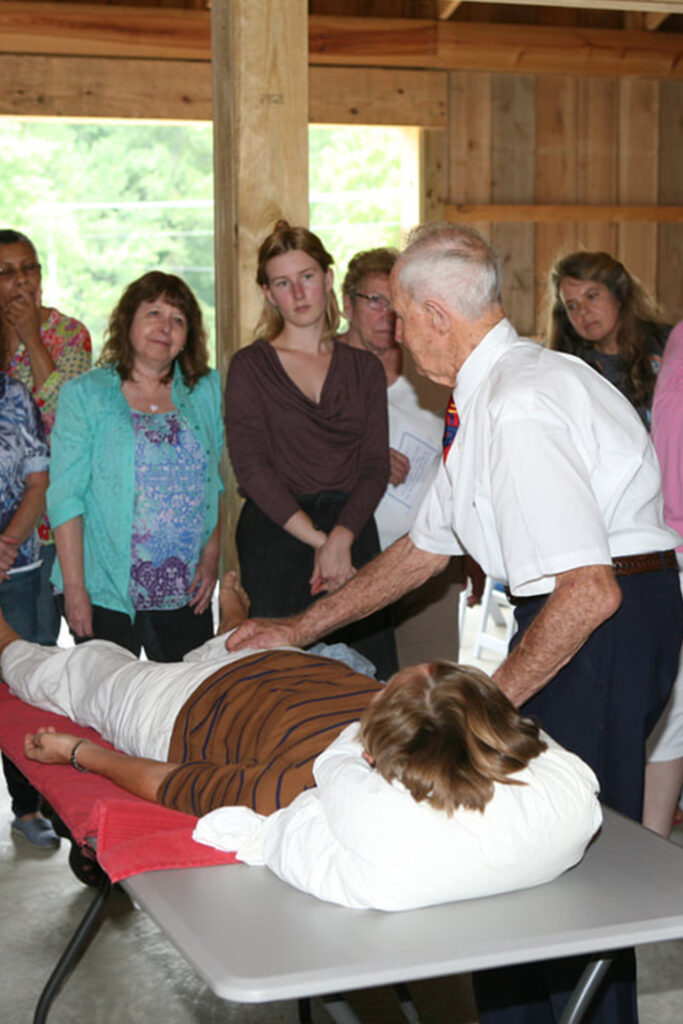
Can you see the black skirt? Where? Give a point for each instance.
(276, 569)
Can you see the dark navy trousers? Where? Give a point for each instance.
(602, 705)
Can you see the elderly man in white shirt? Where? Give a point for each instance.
(551, 484)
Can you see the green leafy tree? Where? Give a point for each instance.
(105, 202)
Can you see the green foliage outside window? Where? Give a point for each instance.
(104, 202)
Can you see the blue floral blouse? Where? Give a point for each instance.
(170, 469)
(23, 450)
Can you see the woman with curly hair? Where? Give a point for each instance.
(306, 425)
(134, 481)
(603, 314)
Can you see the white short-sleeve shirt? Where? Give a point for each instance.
(551, 469)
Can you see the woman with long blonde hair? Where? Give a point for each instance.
(306, 424)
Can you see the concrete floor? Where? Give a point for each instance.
(131, 974)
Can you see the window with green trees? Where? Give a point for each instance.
(104, 202)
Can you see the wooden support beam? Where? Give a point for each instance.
(95, 30)
(670, 6)
(653, 21)
(260, 85)
(561, 213)
(87, 30)
(390, 42)
(447, 8)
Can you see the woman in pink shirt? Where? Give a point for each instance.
(664, 772)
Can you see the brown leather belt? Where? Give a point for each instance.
(653, 561)
(626, 565)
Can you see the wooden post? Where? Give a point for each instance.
(260, 100)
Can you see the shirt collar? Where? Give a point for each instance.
(479, 362)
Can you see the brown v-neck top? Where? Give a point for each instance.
(283, 444)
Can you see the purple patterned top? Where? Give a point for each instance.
(170, 491)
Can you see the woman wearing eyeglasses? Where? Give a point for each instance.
(44, 348)
(306, 424)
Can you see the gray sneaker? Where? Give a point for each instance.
(38, 832)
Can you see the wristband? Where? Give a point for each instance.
(72, 759)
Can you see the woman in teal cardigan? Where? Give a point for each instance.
(134, 478)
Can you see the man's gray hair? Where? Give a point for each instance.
(453, 262)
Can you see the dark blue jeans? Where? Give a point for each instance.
(19, 605)
(47, 619)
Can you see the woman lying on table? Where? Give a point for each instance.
(440, 792)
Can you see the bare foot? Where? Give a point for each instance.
(233, 602)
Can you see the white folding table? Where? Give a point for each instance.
(254, 939)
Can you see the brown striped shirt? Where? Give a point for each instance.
(250, 733)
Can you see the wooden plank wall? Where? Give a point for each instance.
(565, 139)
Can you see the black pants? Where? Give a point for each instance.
(602, 706)
(165, 635)
(276, 569)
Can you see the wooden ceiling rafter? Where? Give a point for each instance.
(88, 30)
(644, 6)
(447, 8)
(653, 19)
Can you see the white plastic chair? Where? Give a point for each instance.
(492, 604)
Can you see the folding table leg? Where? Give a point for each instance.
(69, 957)
(586, 987)
(340, 1011)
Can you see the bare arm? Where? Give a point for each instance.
(77, 605)
(24, 520)
(301, 526)
(400, 568)
(138, 775)
(582, 600)
(22, 315)
(206, 573)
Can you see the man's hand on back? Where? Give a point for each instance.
(260, 633)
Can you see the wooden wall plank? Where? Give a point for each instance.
(433, 174)
(597, 144)
(513, 165)
(469, 134)
(104, 87)
(638, 173)
(670, 236)
(37, 86)
(556, 175)
(378, 96)
(565, 213)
